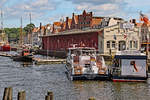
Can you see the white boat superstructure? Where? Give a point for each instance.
(83, 63)
(129, 65)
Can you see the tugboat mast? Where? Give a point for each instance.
(21, 38)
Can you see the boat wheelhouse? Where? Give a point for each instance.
(129, 66)
(84, 64)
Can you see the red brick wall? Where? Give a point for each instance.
(65, 41)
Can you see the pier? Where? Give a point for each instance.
(39, 61)
(49, 61)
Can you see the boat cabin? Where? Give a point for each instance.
(25, 52)
(129, 65)
(83, 62)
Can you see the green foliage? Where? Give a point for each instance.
(29, 28)
(12, 32)
(15, 32)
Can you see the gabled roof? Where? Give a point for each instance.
(35, 29)
(69, 23)
(76, 19)
(57, 23)
(96, 21)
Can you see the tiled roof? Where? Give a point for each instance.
(138, 24)
(76, 19)
(35, 30)
(96, 21)
(69, 22)
(57, 23)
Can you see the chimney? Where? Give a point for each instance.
(91, 13)
(53, 30)
(67, 27)
(40, 25)
(72, 14)
(133, 21)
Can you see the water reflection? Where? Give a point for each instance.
(36, 80)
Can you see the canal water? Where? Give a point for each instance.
(36, 80)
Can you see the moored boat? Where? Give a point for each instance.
(129, 66)
(24, 56)
(4, 47)
(84, 64)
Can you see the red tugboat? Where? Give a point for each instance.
(24, 56)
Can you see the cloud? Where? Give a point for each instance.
(3, 2)
(36, 7)
(102, 7)
(96, 2)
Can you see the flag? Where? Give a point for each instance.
(144, 18)
(125, 35)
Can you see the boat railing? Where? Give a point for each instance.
(116, 71)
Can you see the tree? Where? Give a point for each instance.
(29, 28)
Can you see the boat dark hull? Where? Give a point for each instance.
(128, 79)
(23, 58)
(91, 77)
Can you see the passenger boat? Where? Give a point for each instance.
(129, 66)
(24, 56)
(84, 64)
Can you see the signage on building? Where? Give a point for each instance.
(127, 26)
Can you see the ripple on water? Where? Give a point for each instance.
(36, 80)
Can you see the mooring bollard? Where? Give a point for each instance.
(92, 98)
(5, 96)
(10, 93)
(47, 97)
(51, 95)
(22, 95)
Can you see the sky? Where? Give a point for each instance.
(48, 11)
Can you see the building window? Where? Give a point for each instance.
(122, 45)
(101, 44)
(133, 44)
(108, 44)
(113, 44)
(130, 44)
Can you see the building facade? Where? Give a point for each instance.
(113, 35)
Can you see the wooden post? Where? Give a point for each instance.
(19, 96)
(10, 93)
(47, 97)
(22, 95)
(5, 97)
(51, 95)
(92, 98)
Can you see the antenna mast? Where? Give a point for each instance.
(30, 17)
(21, 39)
(1, 19)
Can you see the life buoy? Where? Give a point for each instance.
(78, 70)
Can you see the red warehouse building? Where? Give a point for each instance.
(62, 41)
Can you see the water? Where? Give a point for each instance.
(36, 80)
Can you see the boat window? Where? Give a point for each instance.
(116, 63)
